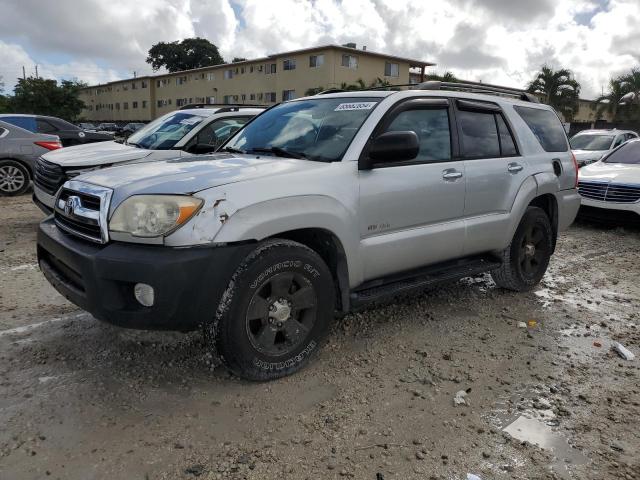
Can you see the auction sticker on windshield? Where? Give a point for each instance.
(355, 106)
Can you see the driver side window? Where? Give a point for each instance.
(219, 131)
(619, 140)
(432, 127)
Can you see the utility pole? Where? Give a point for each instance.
(24, 73)
(135, 75)
(37, 71)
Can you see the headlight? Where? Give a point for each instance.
(153, 215)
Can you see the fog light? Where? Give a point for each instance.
(144, 294)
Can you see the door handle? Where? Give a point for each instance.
(451, 174)
(514, 167)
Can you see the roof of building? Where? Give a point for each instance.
(411, 62)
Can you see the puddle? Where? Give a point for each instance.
(538, 433)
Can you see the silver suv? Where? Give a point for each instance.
(182, 133)
(317, 206)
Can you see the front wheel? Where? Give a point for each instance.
(525, 260)
(14, 178)
(275, 313)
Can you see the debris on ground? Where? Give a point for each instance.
(460, 398)
(471, 476)
(522, 325)
(532, 323)
(622, 351)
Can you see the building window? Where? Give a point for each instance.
(211, 100)
(228, 74)
(133, 85)
(211, 77)
(144, 104)
(181, 80)
(316, 61)
(125, 105)
(289, 64)
(252, 96)
(270, 97)
(259, 96)
(117, 106)
(243, 97)
(270, 68)
(391, 69)
(350, 61)
(134, 105)
(288, 95)
(144, 84)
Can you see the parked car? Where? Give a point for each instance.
(108, 127)
(130, 128)
(19, 149)
(90, 127)
(318, 205)
(610, 188)
(68, 133)
(179, 133)
(591, 145)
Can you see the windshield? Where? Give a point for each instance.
(318, 129)
(166, 131)
(591, 142)
(628, 153)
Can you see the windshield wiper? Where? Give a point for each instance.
(132, 144)
(280, 152)
(232, 150)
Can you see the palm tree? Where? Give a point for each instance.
(611, 100)
(557, 88)
(445, 77)
(631, 85)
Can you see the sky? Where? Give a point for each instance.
(495, 41)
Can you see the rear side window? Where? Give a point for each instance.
(628, 153)
(479, 134)
(28, 123)
(546, 126)
(432, 127)
(45, 127)
(507, 145)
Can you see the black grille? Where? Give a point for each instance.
(78, 223)
(609, 192)
(49, 176)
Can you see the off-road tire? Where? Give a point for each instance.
(18, 173)
(512, 274)
(236, 338)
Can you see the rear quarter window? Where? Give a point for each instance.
(546, 127)
(28, 123)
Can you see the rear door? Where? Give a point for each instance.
(411, 212)
(494, 172)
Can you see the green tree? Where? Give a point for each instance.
(314, 91)
(184, 55)
(611, 100)
(445, 77)
(46, 97)
(622, 99)
(557, 88)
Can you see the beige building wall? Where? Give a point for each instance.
(249, 82)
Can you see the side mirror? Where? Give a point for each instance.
(392, 147)
(202, 148)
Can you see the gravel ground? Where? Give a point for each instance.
(546, 398)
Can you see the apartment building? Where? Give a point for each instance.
(262, 81)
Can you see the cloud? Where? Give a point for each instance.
(498, 41)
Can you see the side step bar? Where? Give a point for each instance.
(383, 289)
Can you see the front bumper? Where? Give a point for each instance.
(610, 212)
(188, 282)
(43, 200)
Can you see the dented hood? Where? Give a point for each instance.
(192, 174)
(95, 154)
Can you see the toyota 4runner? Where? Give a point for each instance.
(317, 206)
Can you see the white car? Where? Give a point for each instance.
(590, 146)
(180, 133)
(610, 188)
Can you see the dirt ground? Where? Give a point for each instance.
(80, 399)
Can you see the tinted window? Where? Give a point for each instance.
(479, 134)
(507, 145)
(28, 123)
(546, 126)
(45, 127)
(432, 128)
(591, 142)
(629, 153)
(216, 133)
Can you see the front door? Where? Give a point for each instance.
(411, 213)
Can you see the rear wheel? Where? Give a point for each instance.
(14, 178)
(275, 312)
(525, 260)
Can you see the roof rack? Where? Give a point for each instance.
(227, 106)
(473, 87)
